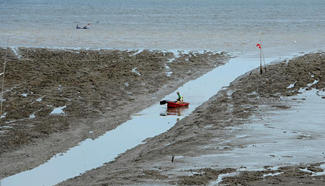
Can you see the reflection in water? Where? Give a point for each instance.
(176, 111)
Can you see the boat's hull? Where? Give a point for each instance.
(171, 104)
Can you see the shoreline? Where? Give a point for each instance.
(270, 51)
(130, 49)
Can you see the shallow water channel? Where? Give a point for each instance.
(92, 153)
(282, 137)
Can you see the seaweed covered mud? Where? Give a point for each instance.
(53, 99)
(204, 148)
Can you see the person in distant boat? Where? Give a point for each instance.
(86, 26)
(180, 98)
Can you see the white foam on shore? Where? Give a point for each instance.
(58, 110)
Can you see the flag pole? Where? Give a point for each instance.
(263, 60)
(261, 68)
(260, 48)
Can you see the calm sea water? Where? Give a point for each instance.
(231, 25)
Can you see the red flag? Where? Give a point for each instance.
(259, 46)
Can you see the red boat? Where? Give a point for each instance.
(172, 104)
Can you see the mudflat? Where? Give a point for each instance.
(181, 154)
(53, 99)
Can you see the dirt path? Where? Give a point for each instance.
(95, 90)
(177, 156)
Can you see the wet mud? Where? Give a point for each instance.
(178, 155)
(286, 175)
(53, 99)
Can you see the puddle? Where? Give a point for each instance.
(58, 110)
(322, 166)
(134, 70)
(272, 174)
(90, 154)
(292, 136)
(222, 176)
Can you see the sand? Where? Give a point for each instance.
(177, 156)
(54, 98)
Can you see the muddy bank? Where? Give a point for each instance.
(310, 174)
(53, 99)
(177, 156)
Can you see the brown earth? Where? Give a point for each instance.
(100, 89)
(158, 160)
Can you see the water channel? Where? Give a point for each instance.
(93, 153)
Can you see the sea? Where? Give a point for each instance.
(218, 25)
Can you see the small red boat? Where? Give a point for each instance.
(172, 104)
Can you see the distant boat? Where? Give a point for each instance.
(84, 27)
